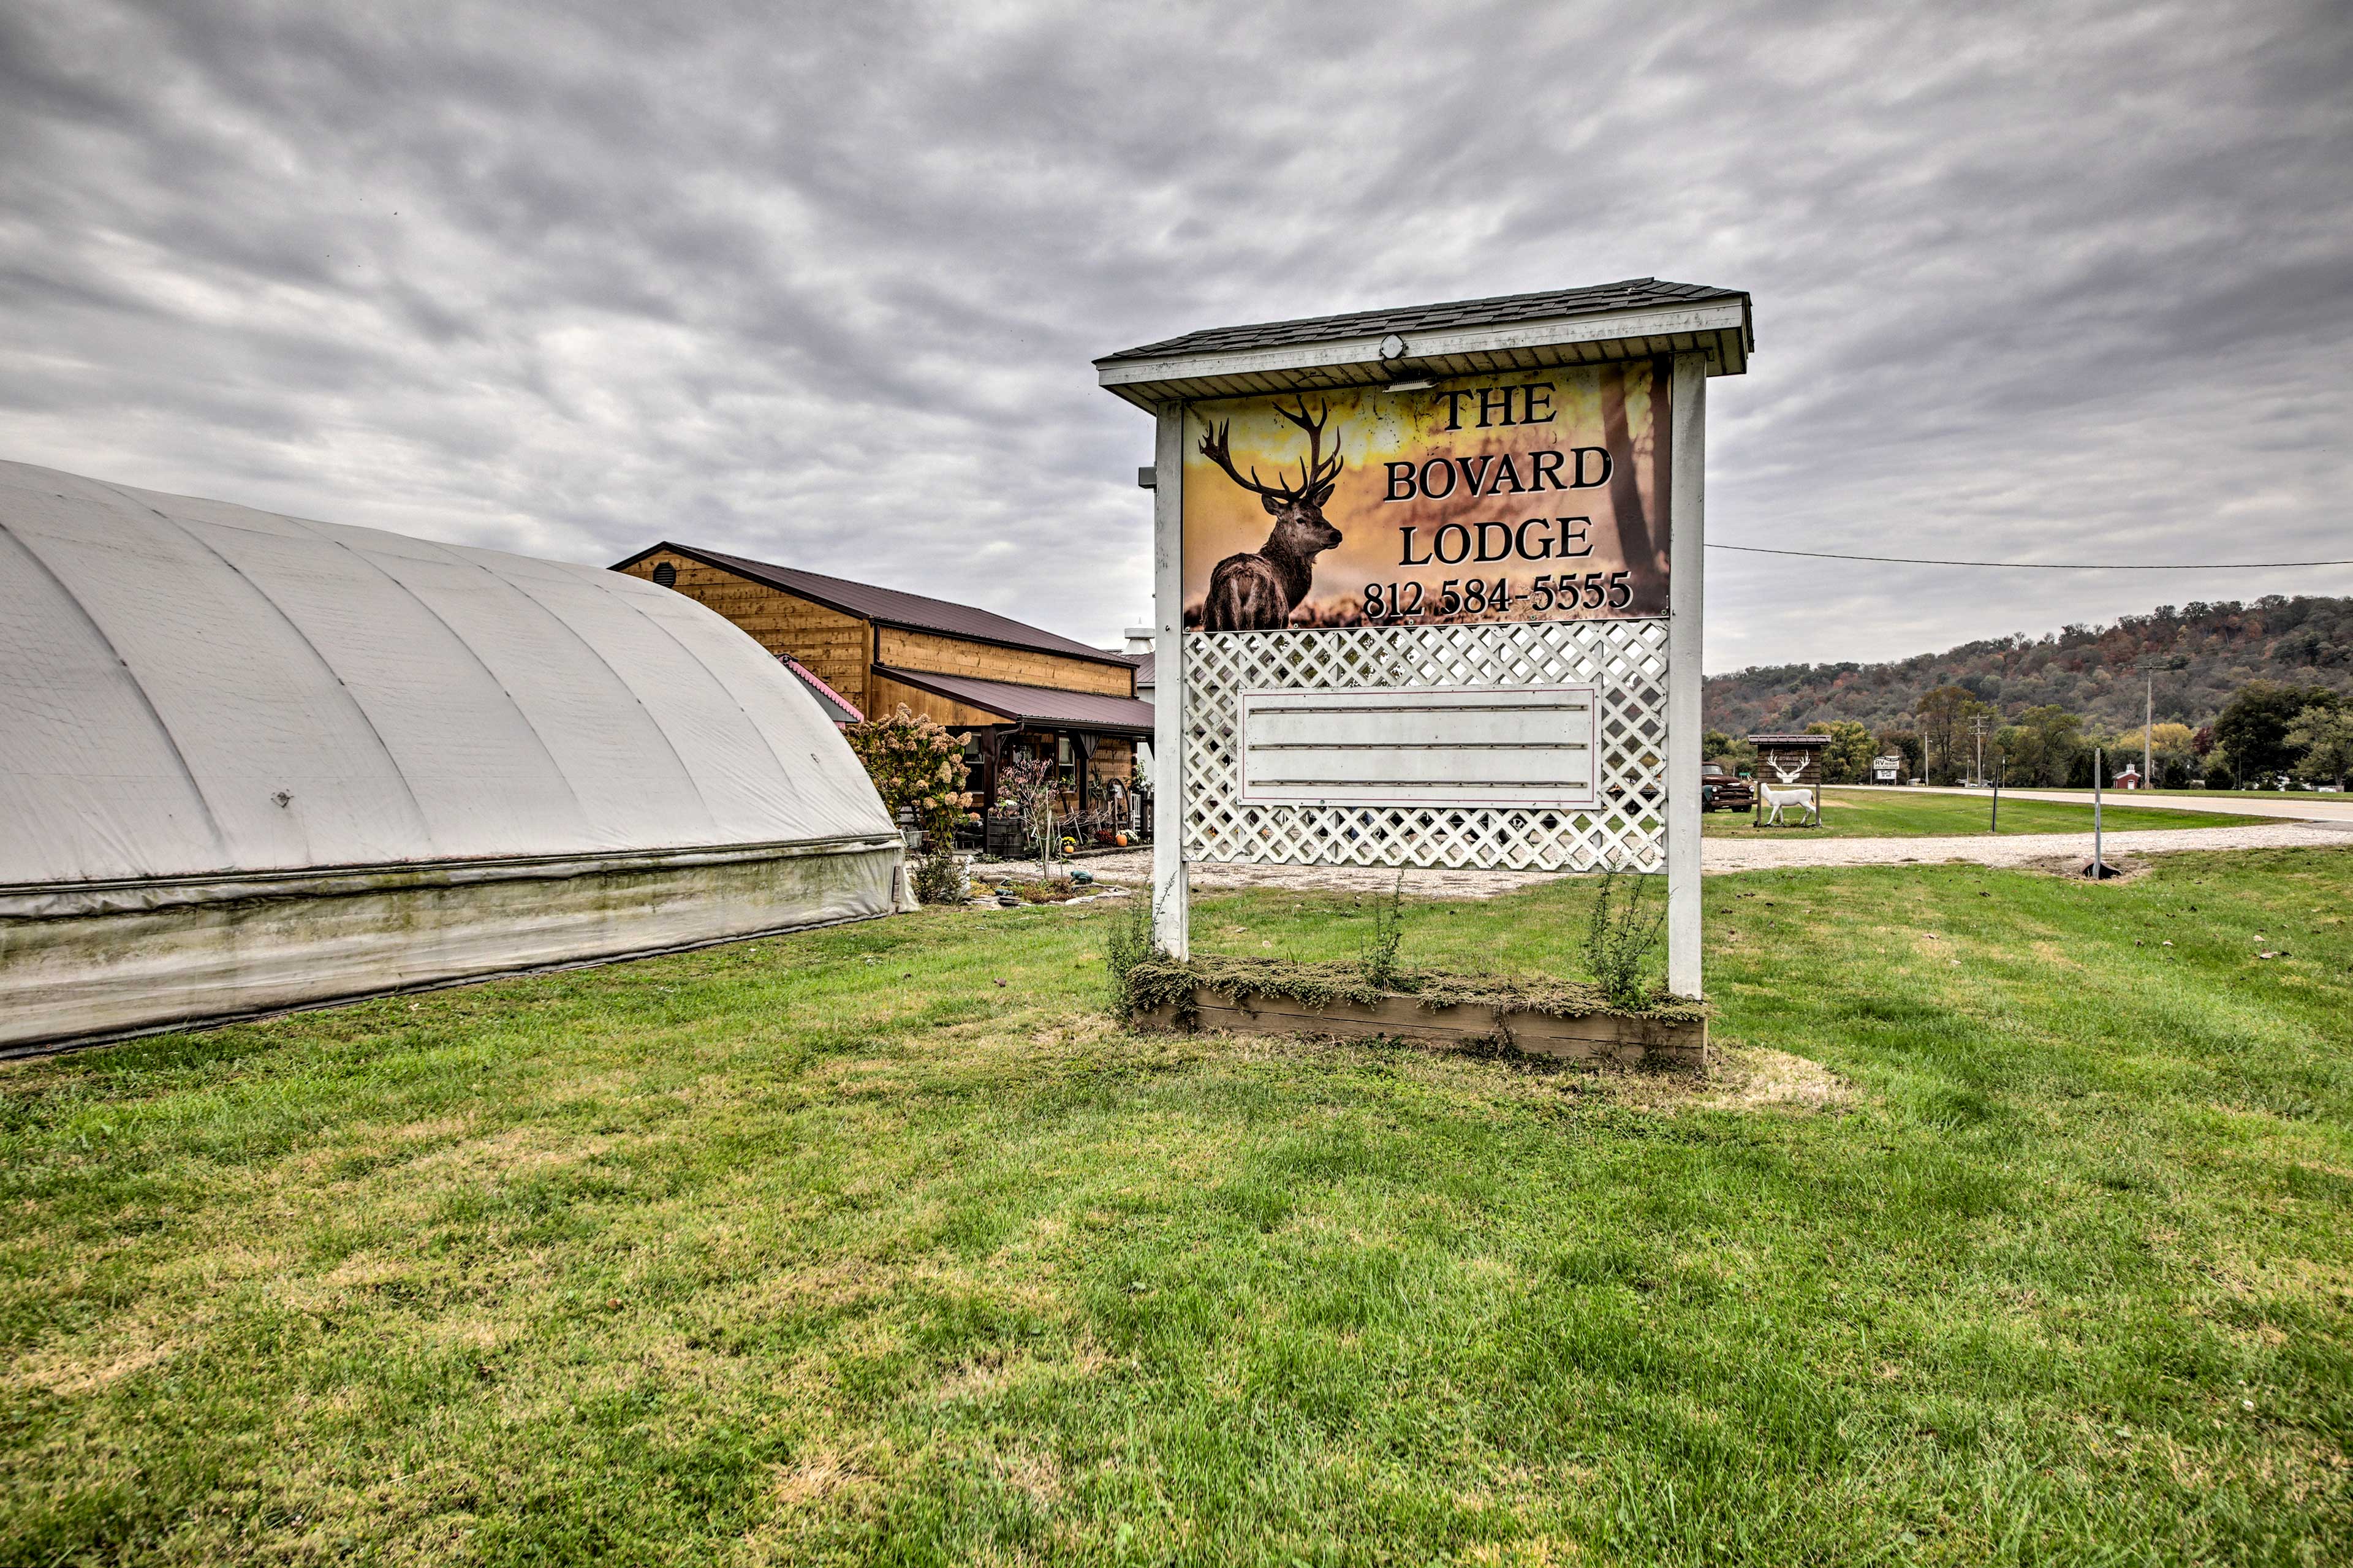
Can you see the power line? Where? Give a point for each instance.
(2033, 565)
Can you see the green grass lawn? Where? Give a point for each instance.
(1881, 813)
(881, 1245)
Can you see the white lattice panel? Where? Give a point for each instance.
(1626, 659)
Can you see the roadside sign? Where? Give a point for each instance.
(1428, 588)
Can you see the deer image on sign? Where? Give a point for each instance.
(1257, 592)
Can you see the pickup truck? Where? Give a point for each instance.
(1720, 789)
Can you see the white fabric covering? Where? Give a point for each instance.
(189, 688)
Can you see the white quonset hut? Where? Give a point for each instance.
(249, 762)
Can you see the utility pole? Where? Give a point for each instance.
(1978, 728)
(2148, 668)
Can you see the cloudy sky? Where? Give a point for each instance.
(820, 284)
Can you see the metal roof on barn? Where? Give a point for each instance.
(1032, 704)
(1634, 318)
(887, 606)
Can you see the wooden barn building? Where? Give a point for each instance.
(1015, 689)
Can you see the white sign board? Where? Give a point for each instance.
(1470, 746)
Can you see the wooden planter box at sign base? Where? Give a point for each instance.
(1589, 1037)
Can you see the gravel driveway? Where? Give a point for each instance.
(1751, 854)
(2010, 849)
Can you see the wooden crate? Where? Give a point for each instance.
(1591, 1037)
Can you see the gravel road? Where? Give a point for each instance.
(1751, 854)
(2010, 849)
(2299, 806)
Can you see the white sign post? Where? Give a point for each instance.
(1172, 899)
(1428, 588)
(1686, 622)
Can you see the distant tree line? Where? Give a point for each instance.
(2268, 735)
(2202, 655)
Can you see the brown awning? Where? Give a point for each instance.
(1044, 705)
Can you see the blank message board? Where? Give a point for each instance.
(1475, 746)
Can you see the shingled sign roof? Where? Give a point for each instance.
(888, 606)
(1631, 294)
(1638, 318)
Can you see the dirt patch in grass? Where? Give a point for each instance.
(1028, 1471)
(68, 1375)
(2071, 867)
(824, 1478)
(1738, 1078)
(985, 1376)
(1758, 1078)
(511, 1151)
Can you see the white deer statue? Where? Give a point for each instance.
(1798, 796)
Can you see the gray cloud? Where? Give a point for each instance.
(821, 284)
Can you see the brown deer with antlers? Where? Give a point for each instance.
(1257, 592)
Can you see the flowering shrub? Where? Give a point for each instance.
(915, 764)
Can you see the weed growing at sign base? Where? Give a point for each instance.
(1619, 937)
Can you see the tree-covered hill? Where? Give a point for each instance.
(2209, 651)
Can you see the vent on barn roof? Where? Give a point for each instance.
(666, 574)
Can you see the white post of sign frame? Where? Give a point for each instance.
(1171, 896)
(1687, 513)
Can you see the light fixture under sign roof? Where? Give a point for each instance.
(1415, 383)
